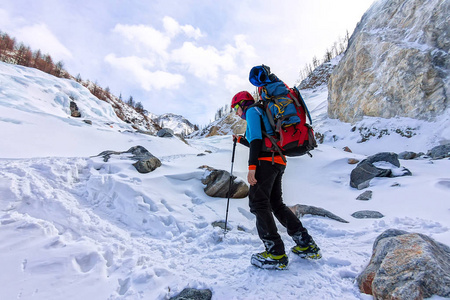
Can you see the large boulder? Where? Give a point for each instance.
(397, 63)
(218, 184)
(439, 152)
(145, 162)
(384, 164)
(406, 266)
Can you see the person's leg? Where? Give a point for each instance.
(283, 213)
(259, 202)
(306, 247)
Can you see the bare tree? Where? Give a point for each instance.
(47, 64)
(315, 62)
(139, 107)
(328, 55)
(130, 101)
(59, 68)
(37, 57)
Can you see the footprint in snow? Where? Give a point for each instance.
(87, 262)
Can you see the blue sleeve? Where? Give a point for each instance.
(253, 131)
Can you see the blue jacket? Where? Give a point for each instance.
(253, 117)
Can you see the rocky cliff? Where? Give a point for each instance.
(229, 124)
(397, 63)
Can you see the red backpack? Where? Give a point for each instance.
(293, 139)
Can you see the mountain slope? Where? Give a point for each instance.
(177, 123)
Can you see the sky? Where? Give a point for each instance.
(183, 57)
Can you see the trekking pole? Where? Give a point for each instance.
(229, 187)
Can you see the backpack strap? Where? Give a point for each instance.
(295, 95)
(274, 145)
(273, 141)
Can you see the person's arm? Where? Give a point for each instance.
(255, 149)
(255, 138)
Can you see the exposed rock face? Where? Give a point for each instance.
(230, 124)
(406, 266)
(74, 112)
(397, 63)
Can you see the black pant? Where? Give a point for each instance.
(266, 198)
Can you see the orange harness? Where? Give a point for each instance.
(275, 159)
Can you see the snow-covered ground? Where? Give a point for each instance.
(75, 227)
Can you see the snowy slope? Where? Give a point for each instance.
(177, 123)
(75, 227)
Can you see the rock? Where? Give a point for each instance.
(352, 161)
(88, 122)
(396, 64)
(367, 214)
(220, 224)
(193, 294)
(300, 210)
(406, 266)
(74, 110)
(218, 183)
(439, 152)
(407, 155)
(165, 132)
(347, 149)
(364, 172)
(145, 161)
(389, 157)
(367, 195)
(147, 165)
(369, 168)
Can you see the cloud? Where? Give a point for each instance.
(144, 36)
(208, 62)
(38, 36)
(139, 69)
(173, 28)
(204, 63)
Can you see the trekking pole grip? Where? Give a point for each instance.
(234, 148)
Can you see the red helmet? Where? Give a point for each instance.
(243, 98)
